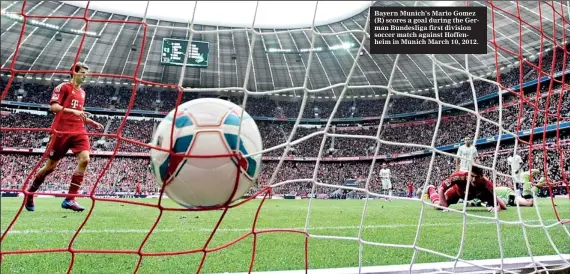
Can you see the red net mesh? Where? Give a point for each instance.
(206, 247)
(556, 9)
(542, 70)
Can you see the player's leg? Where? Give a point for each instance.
(489, 199)
(58, 150)
(42, 174)
(80, 147)
(433, 195)
(451, 196)
(517, 184)
(518, 190)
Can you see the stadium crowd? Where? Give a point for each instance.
(126, 172)
(452, 129)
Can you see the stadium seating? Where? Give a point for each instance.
(125, 172)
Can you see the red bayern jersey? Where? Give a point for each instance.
(410, 186)
(69, 97)
(485, 185)
(457, 178)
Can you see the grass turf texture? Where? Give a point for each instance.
(116, 226)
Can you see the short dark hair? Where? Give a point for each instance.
(477, 170)
(78, 66)
(224, 97)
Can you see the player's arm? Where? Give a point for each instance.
(441, 193)
(55, 107)
(501, 205)
(541, 183)
(93, 123)
(59, 95)
(444, 186)
(476, 158)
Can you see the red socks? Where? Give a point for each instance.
(433, 195)
(76, 181)
(39, 180)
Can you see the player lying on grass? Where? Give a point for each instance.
(453, 189)
(67, 101)
(509, 197)
(528, 187)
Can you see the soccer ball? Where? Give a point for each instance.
(206, 127)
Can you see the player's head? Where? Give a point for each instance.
(78, 73)
(467, 140)
(384, 165)
(476, 172)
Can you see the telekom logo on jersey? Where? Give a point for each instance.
(74, 103)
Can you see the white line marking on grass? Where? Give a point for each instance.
(549, 222)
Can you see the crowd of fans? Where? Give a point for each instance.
(413, 170)
(451, 129)
(122, 175)
(543, 106)
(125, 172)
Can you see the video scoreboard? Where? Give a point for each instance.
(174, 51)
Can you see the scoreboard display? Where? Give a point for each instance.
(174, 50)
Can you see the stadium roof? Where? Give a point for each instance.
(240, 14)
(117, 49)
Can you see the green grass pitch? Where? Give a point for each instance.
(115, 226)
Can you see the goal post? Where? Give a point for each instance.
(544, 110)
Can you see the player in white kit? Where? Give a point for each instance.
(386, 182)
(516, 168)
(468, 151)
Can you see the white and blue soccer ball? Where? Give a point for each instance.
(206, 127)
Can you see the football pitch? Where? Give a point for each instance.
(115, 226)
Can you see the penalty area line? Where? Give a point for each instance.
(208, 230)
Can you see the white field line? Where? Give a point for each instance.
(549, 222)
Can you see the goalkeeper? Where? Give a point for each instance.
(509, 197)
(528, 187)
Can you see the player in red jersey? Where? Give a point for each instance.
(453, 189)
(67, 101)
(410, 189)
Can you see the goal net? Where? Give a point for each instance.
(332, 116)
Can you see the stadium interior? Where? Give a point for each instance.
(531, 102)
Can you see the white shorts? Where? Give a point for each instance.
(386, 185)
